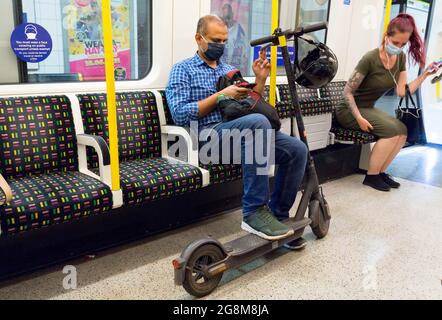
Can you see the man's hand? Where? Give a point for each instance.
(261, 66)
(364, 124)
(235, 92)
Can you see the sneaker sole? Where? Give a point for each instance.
(378, 189)
(295, 248)
(250, 230)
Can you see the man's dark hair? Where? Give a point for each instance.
(204, 22)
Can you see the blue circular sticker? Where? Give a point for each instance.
(31, 42)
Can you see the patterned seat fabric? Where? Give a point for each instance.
(353, 136)
(152, 179)
(39, 160)
(145, 176)
(168, 114)
(218, 173)
(44, 200)
(311, 103)
(334, 92)
(139, 129)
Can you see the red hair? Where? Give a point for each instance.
(406, 23)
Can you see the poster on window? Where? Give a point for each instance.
(235, 14)
(85, 39)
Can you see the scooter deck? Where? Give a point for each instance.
(251, 242)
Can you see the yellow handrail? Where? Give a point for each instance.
(274, 54)
(389, 4)
(111, 95)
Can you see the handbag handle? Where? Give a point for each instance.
(408, 98)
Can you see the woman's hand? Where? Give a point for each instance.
(364, 124)
(432, 69)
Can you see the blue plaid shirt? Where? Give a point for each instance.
(192, 80)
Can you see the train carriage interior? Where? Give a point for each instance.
(105, 193)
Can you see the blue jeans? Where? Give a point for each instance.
(290, 155)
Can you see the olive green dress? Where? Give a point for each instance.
(376, 83)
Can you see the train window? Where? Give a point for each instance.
(76, 31)
(248, 20)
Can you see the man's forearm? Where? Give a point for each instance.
(206, 106)
(260, 86)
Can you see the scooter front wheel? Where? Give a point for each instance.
(196, 282)
(320, 218)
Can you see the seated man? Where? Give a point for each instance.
(192, 96)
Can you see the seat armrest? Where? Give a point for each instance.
(6, 189)
(102, 149)
(98, 144)
(192, 146)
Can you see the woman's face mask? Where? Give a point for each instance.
(214, 51)
(392, 49)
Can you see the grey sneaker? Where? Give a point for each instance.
(263, 224)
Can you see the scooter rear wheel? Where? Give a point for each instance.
(195, 282)
(322, 222)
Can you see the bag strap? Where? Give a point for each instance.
(408, 97)
(4, 186)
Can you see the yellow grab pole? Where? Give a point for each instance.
(274, 54)
(438, 91)
(387, 14)
(111, 96)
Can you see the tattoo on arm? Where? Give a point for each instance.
(352, 85)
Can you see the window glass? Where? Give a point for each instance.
(248, 20)
(76, 30)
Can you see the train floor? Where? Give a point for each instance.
(380, 246)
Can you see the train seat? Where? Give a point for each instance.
(147, 173)
(333, 91)
(219, 173)
(317, 114)
(39, 161)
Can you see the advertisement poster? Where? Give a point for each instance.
(85, 38)
(235, 14)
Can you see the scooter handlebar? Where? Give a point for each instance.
(289, 33)
(262, 41)
(315, 27)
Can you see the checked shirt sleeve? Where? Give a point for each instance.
(178, 96)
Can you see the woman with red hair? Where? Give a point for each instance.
(377, 72)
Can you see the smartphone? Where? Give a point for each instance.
(250, 86)
(246, 85)
(438, 64)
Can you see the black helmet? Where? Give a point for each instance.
(319, 66)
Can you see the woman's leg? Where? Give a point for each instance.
(401, 143)
(381, 152)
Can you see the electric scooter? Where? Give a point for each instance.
(202, 263)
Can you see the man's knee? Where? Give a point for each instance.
(298, 150)
(257, 121)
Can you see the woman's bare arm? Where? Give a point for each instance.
(352, 85)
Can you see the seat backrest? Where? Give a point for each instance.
(37, 136)
(334, 91)
(139, 129)
(167, 113)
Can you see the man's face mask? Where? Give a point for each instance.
(214, 51)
